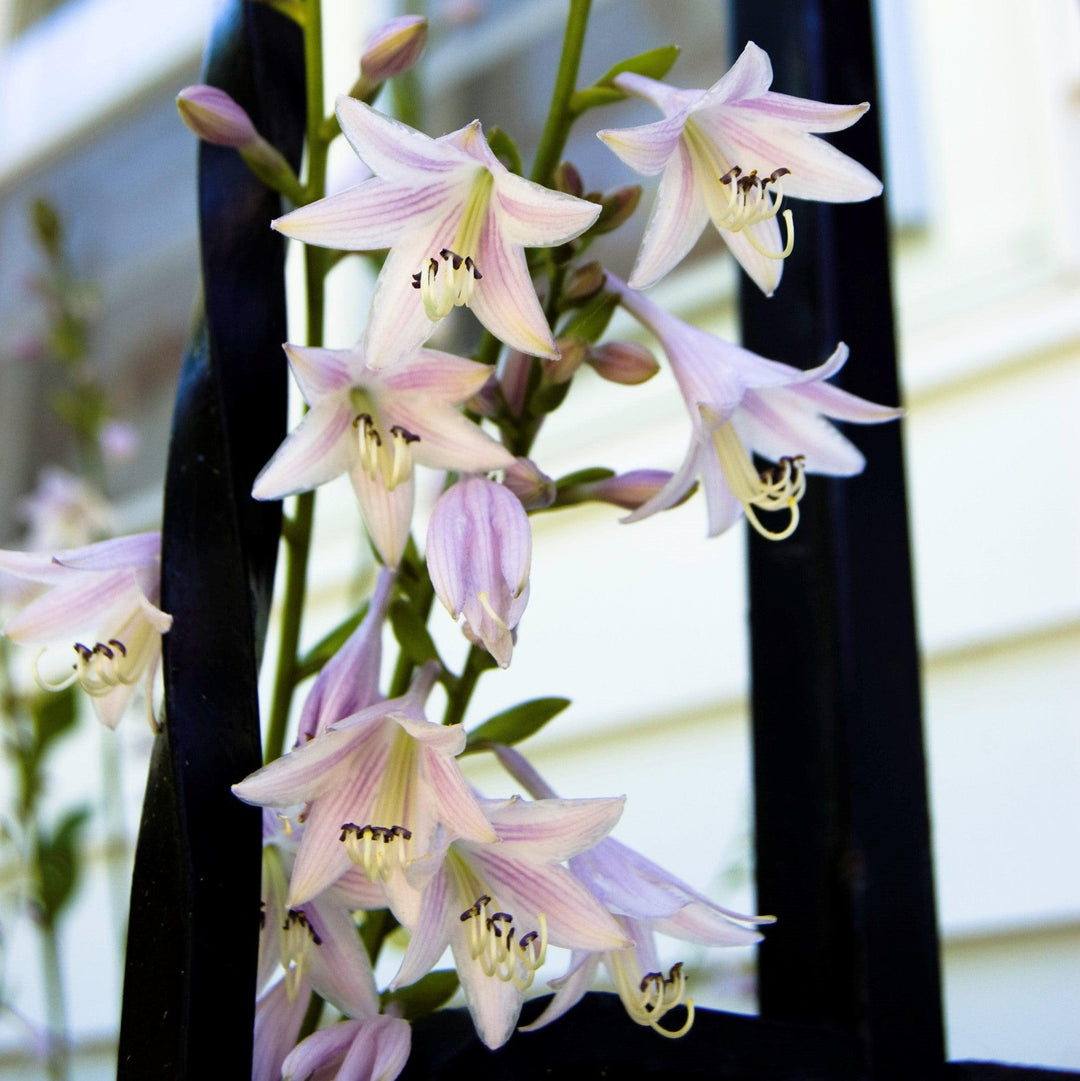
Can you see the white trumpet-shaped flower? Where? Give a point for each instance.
(742, 404)
(456, 222)
(375, 424)
(103, 601)
(730, 154)
(498, 905)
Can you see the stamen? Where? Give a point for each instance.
(485, 602)
(491, 943)
(648, 999)
(378, 860)
(297, 938)
(393, 463)
(752, 199)
(776, 489)
(98, 671)
(454, 288)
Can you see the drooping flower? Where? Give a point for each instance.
(366, 1049)
(479, 549)
(109, 590)
(730, 154)
(644, 898)
(374, 425)
(456, 222)
(377, 786)
(64, 511)
(498, 905)
(740, 403)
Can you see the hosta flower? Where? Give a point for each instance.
(479, 549)
(367, 1049)
(499, 905)
(741, 404)
(374, 425)
(102, 601)
(730, 154)
(377, 786)
(456, 222)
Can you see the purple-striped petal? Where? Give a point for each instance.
(318, 449)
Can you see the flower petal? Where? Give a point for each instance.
(277, 1024)
(339, 967)
(319, 372)
(77, 605)
(319, 1049)
(318, 449)
(552, 829)
(537, 217)
(569, 988)
(494, 1004)
(648, 147)
(387, 514)
(430, 935)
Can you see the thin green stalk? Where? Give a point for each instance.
(559, 118)
(459, 693)
(57, 1061)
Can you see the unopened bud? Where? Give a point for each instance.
(485, 402)
(623, 362)
(572, 353)
(585, 281)
(535, 489)
(514, 370)
(394, 48)
(567, 179)
(617, 207)
(214, 117)
(627, 490)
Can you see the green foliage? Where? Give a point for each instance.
(412, 633)
(423, 997)
(654, 64)
(59, 865)
(505, 149)
(514, 725)
(584, 476)
(591, 320)
(312, 661)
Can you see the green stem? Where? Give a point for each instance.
(297, 534)
(461, 690)
(559, 118)
(57, 1061)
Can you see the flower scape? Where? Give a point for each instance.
(372, 833)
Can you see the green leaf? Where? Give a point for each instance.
(584, 476)
(516, 724)
(423, 997)
(327, 646)
(590, 321)
(593, 97)
(654, 64)
(412, 634)
(53, 714)
(504, 148)
(60, 864)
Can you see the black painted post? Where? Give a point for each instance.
(189, 981)
(843, 841)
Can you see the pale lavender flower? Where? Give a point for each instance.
(215, 117)
(456, 222)
(479, 549)
(394, 48)
(278, 1017)
(366, 1049)
(729, 154)
(64, 511)
(740, 403)
(627, 490)
(109, 590)
(119, 441)
(498, 905)
(377, 786)
(374, 425)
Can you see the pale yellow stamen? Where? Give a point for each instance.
(98, 671)
(297, 938)
(485, 602)
(448, 278)
(380, 850)
(776, 489)
(752, 199)
(490, 936)
(649, 998)
(387, 460)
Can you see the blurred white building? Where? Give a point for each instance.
(643, 627)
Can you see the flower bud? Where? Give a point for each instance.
(567, 179)
(618, 206)
(623, 362)
(514, 371)
(627, 490)
(485, 402)
(572, 354)
(214, 117)
(585, 282)
(393, 49)
(535, 489)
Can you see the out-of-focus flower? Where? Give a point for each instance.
(626, 490)
(118, 441)
(366, 1049)
(479, 550)
(374, 425)
(111, 589)
(498, 905)
(393, 49)
(730, 153)
(740, 403)
(377, 786)
(64, 511)
(457, 223)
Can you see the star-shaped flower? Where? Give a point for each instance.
(456, 221)
(109, 589)
(374, 424)
(498, 905)
(740, 403)
(730, 154)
